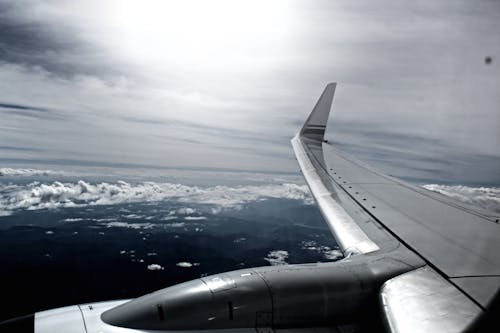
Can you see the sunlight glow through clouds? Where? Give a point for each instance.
(203, 35)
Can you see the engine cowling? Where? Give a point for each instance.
(288, 296)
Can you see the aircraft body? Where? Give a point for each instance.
(415, 261)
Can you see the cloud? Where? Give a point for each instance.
(175, 225)
(155, 267)
(185, 211)
(195, 218)
(485, 197)
(239, 240)
(133, 216)
(36, 195)
(126, 60)
(73, 219)
(25, 172)
(185, 264)
(432, 67)
(19, 107)
(277, 257)
(325, 251)
(333, 254)
(129, 225)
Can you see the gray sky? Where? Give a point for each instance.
(226, 84)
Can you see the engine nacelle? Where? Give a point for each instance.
(281, 296)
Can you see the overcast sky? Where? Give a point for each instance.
(226, 84)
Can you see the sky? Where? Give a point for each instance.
(225, 84)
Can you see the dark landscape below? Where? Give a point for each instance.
(52, 258)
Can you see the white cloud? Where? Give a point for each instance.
(73, 219)
(333, 254)
(176, 225)
(133, 216)
(108, 219)
(485, 197)
(195, 218)
(277, 257)
(155, 267)
(185, 211)
(325, 251)
(24, 172)
(184, 264)
(35, 195)
(129, 225)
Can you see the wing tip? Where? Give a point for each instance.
(315, 125)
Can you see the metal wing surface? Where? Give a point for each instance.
(368, 212)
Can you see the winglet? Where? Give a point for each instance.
(315, 125)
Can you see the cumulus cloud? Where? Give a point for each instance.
(334, 254)
(185, 211)
(117, 224)
(155, 267)
(36, 195)
(24, 172)
(326, 251)
(485, 197)
(133, 216)
(195, 218)
(185, 264)
(73, 219)
(277, 257)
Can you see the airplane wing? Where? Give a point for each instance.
(369, 212)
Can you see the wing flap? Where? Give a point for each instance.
(423, 301)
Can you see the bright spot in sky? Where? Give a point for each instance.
(198, 35)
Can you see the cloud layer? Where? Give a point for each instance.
(24, 172)
(484, 197)
(36, 195)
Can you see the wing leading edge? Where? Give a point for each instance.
(369, 212)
